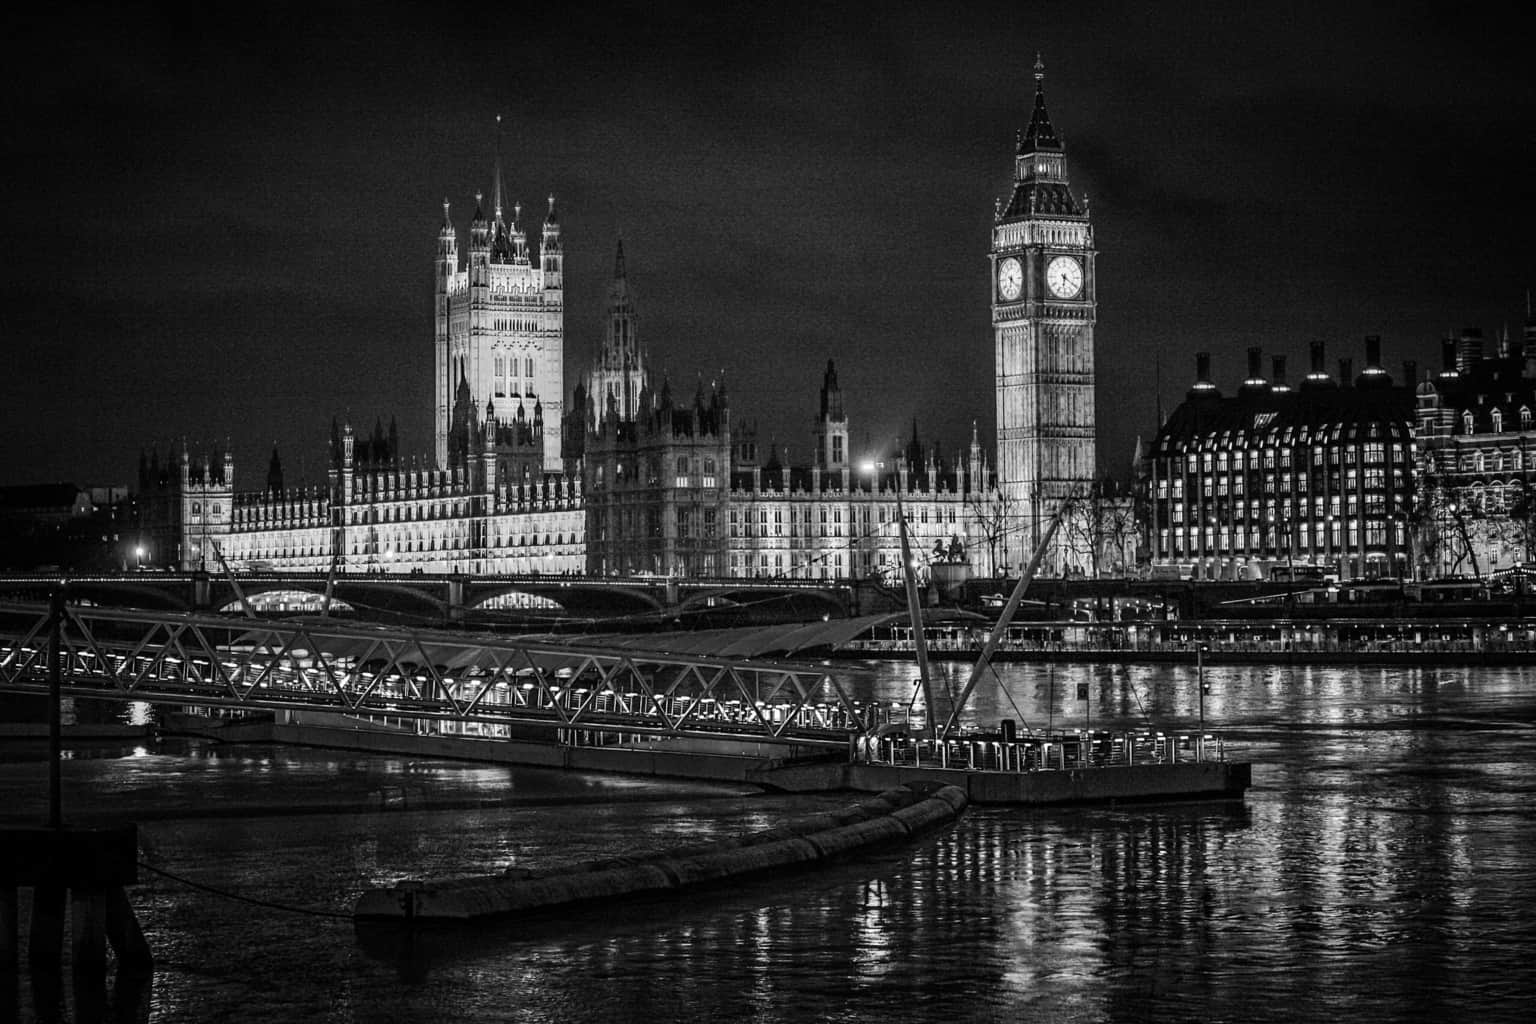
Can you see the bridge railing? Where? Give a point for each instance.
(216, 661)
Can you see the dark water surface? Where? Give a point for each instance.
(1382, 868)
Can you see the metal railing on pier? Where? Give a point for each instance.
(1044, 752)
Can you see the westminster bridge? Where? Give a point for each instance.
(452, 599)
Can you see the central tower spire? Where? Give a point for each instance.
(496, 201)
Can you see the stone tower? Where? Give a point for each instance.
(1043, 311)
(619, 373)
(500, 321)
(831, 434)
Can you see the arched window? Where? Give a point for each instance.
(1466, 422)
(1498, 421)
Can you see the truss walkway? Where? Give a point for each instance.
(380, 672)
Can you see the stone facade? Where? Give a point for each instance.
(1043, 311)
(1274, 478)
(499, 323)
(1477, 503)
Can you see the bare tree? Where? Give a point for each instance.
(994, 513)
(1100, 525)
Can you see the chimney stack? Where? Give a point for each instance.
(1203, 385)
(1277, 374)
(1448, 357)
(1469, 349)
(1254, 383)
(1373, 376)
(1317, 377)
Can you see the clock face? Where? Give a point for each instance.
(1010, 278)
(1064, 277)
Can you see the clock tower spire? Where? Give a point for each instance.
(1044, 304)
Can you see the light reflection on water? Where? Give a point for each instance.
(1381, 868)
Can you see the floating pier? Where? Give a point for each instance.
(890, 817)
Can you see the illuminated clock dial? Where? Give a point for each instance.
(1064, 277)
(1010, 278)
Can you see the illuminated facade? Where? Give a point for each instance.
(499, 323)
(1044, 305)
(186, 507)
(1477, 513)
(380, 514)
(1320, 475)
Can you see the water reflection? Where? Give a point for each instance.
(1381, 867)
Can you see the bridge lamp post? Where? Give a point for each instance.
(138, 558)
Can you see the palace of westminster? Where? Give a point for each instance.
(1358, 475)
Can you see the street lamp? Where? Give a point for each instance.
(138, 558)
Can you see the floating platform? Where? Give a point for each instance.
(1193, 780)
(894, 815)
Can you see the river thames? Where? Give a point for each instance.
(1382, 868)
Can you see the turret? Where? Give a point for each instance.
(447, 249)
(479, 235)
(831, 426)
(974, 460)
(275, 475)
(551, 256)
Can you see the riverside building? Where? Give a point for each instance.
(1256, 484)
(1477, 436)
(633, 478)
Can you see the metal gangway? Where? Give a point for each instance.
(388, 673)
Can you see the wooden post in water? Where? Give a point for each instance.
(55, 711)
(9, 923)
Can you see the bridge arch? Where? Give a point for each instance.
(582, 598)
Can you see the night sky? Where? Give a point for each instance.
(224, 229)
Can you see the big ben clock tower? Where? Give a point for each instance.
(1043, 308)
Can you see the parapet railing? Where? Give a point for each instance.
(1053, 752)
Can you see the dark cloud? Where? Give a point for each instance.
(223, 225)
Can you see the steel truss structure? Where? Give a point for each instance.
(381, 672)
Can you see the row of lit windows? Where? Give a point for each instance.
(1373, 453)
(1497, 462)
(1374, 479)
(1316, 508)
(766, 564)
(1496, 421)
(1336, 535)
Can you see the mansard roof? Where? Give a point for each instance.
(1043, 198)
(1295, 417)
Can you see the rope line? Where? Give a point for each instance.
(244, 899)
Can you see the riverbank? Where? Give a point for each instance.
(1181, 655)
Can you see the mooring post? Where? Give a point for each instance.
(55, 690)
(88, 927)
(9, 923)
(46, 945)
(124, 933)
